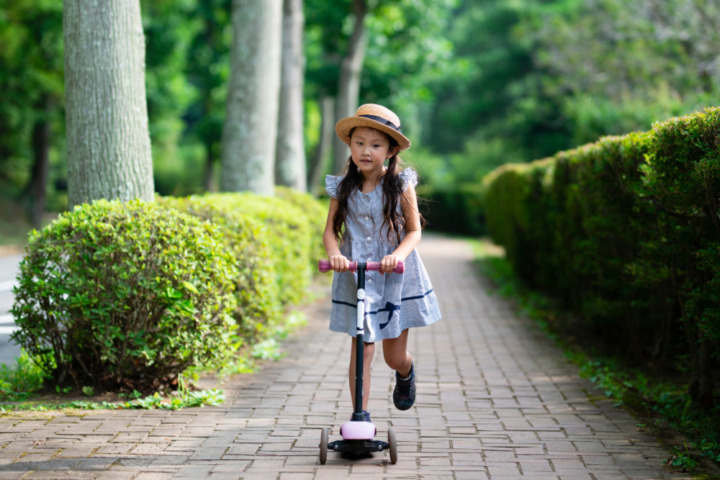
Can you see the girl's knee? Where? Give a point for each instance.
(397, 360)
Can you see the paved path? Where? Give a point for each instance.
(496, 400)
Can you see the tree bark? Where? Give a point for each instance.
(250, 128)
(327, 132)
(108, 143)
(37, 189)
(349, 88)
(209, 174)
(290, 168)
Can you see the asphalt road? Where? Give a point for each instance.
(9, 267)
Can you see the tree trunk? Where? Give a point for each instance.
(290, 169)
(250, 128)
(327, 132)
(36, 192)
(209, 175)
(108, 143)
(349, 88)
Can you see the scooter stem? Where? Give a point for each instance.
(359, 344)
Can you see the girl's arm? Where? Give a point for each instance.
(411, 214)
(338, 262)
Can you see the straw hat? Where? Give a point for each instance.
(373, 116)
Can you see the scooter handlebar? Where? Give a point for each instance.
(324, 266)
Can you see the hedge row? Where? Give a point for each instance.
(626, 232)
(129, 295)
(456, 210)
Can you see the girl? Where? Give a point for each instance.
(374, 215)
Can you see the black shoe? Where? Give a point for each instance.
(364, 418)
(404, 393)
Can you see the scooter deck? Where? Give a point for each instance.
(358, 447)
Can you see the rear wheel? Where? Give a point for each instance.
(392, 446)
(323, 445)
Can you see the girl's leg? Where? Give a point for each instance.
(396, 354)
(398, 358)
(368, 352)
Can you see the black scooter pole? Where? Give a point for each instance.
(359, 346)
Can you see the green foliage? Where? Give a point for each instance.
(117, 295)
(625, 232)
(176, 401)
(256, 290)
(453, 209)
(664, 395)
(21, 380)
(275, 241)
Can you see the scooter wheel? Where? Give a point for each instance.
(392, 446)
(323, 446)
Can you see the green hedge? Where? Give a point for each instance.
(453, 210)
(129, 295)
(626, 232)
(125, 296)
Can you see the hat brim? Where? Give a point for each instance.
(345, 125)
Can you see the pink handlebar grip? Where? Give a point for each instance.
(324, 266)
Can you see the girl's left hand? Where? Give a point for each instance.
(388, 263)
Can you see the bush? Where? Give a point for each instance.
(627, 232)
(257, 292)
(276, 240)
(453, 210)
(125, 296)
(291, 240)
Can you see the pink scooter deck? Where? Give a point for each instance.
(358, 431)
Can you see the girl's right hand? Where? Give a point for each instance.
(339, 263)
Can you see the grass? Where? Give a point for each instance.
(662, 405)
(23, 385)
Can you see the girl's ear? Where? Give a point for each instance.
(393, 151)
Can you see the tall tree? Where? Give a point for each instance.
(31, 87)
(250, 128)
(108, 145)
(350, 72)
(208, 71)
(290, 169)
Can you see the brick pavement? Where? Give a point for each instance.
(496, 400)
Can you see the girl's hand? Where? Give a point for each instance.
(339, 263)
(388, 263)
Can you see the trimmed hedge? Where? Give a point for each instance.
(626, 232)
(129, 295)
(125, 296)
(453, 210)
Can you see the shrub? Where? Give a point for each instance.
(627, 232)
(453, 210)
(256, 289)
(315, 213)
(125, 296)
(276, 240)
(289, 239)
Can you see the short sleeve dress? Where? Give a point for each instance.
(395, 302)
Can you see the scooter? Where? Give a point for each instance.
(358, 435)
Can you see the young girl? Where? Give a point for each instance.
(374, 216)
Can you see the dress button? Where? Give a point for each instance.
(369, 238)
(367, 218)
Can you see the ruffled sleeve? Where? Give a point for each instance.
(331, 184)
(407, 177)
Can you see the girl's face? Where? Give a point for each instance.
(369, 148)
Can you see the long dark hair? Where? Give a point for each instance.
(391, 188)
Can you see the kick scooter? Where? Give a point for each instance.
(358, 434)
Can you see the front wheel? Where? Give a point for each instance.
(392, 446)
(323, 446)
